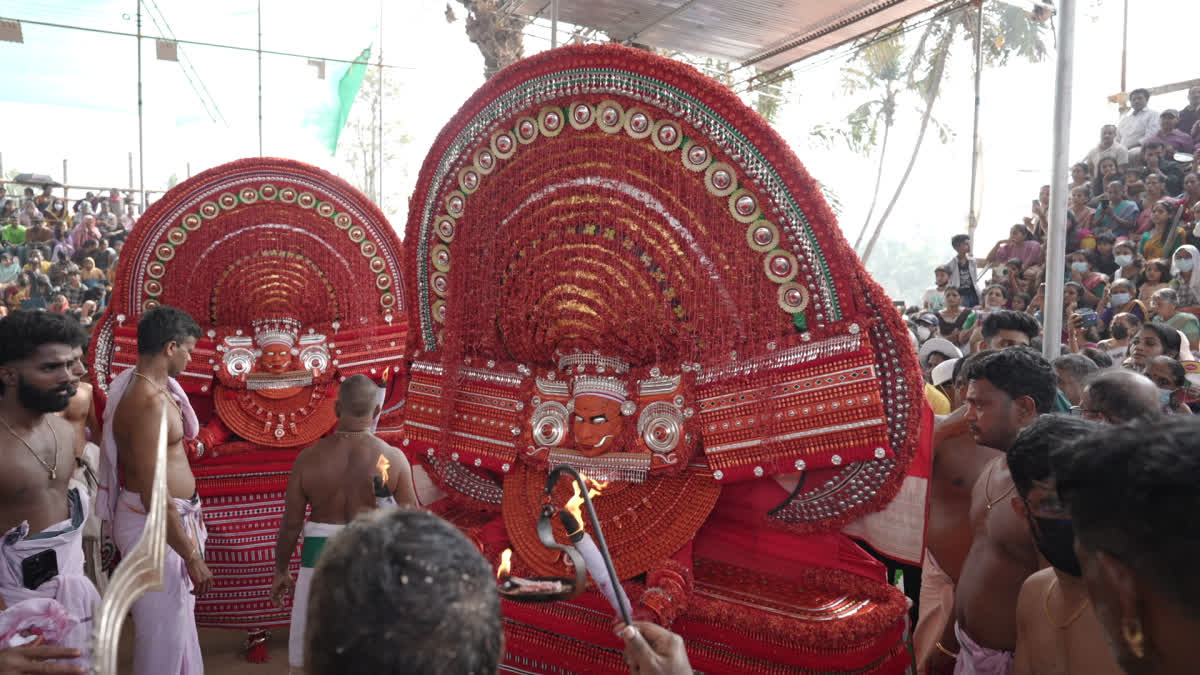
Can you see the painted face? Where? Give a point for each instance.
(596, 424)
(275, 358)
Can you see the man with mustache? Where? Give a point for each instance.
(1007, 390)
(41, 556)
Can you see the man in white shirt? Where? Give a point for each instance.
(1141, 123)
(1108, 148)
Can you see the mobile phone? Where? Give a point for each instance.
(39, 568)
(1089, 316)
(1035, 204)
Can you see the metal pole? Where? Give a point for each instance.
(553, 23)
(141, 140)
(130, 170)
(189, 169)
(972, 218)
(1056, 236)
(260, 138)
(1124, 48)
(379, 120)
(64, 175)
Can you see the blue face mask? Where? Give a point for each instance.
(1183, 264)
(1121, 299)
(1080, 267)
(1164, 397)
(1123, 259)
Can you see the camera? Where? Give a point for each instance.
(1089, 316)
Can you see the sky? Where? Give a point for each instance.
(73, 94)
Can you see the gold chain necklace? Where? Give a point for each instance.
(1046, 608)
(992, 502)
(51, 468)
(162, 390)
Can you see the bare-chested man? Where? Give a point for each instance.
(1007, 390)
(41, 555)
(336, 476)
(166, 641)
(958, 461)
(1057, 631)
(81, 413)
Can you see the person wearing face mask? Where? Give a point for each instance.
(1121, 297)
(1123, 328)
(1186, 282)
(1170, 377)
(925, 326)
(1057, 628)
(1093, 283)
(1129, 265)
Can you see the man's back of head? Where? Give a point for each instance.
(403, 591)
(357, 397)
(1008, 328)
(1119, 396)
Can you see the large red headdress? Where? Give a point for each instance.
(604, 202)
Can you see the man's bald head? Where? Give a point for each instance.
(1120, 396)
(358, 397)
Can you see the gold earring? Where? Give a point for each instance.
(1134, 638)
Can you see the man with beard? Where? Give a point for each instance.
(41, 556)
(1057, 631)
(166, 642)
(1007, 390)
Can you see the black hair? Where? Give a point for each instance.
(22, 332)
(1167, 335)
(402, 591)
(1164, 270)
(1178, 372)
(958, 239)
(1029, 455)
(1008, 319)
(1101, 359)
(1133, 492)
(1150, 145)
(1077, 366)
(1142, 91)
(162, 325)
(1106, 238)
(1018, 371)
(961, 365)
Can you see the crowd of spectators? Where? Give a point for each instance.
(58, 258)
(1132, 289)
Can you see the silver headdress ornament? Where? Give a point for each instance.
(281, 330)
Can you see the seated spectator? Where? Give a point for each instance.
(403, 591)
(955, 321)
(1191, 201)
(1082, 212)
(1174, 139)
(1119, 396)
(36, 263)
(1123, 328)
(1108, 148)
(90, 272)
(58, 304)
(1020, 302)
(85, 229)
(9, 269)
(1162, 240)
(1106, 172)
(1133, 494)
(41, 294)
(963, 273)
(1079, 270)
(1139, 124)
(1081, 177)
(1125, 255)
(1011, 277)
(1155, 276)
(1073, 371)
(1116, 213)
(935, 351)
(1121, 297)
(1158, 160)
(1020, 245)
(1156, 189)
(1184, 280)
(89, 250)
(87, 312)
(60, 268)
(1165, 306)
(1190, 114)
(942, 378)
(1057, 629)
(924, 325)
(57, 214)
(934, 297)
(18, 293)
(995, 298)
(1039, 222)
(1102, 257)
(1170, 377)
(73, 289)
(13, 235)
(1153, 339)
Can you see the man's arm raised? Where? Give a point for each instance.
(139, 440)
(289, 531)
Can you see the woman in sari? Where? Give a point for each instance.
(1091, 282)
(1186, 282)
(1162, 239)
(954, 320)
(1156, 189)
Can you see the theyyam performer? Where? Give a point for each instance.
(44, 595)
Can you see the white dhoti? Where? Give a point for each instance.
(315, 536)
(68, 587)
(166, 640)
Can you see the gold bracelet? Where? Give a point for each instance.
(947, 652)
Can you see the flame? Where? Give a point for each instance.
(505, 567)
(574, 505)
(382, 465)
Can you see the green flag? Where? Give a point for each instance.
(331, 119)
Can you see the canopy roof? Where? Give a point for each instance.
(766, 33)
